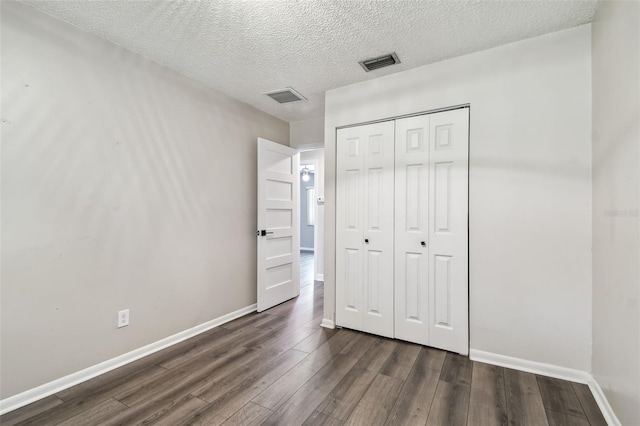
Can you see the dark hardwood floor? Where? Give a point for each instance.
(280, 368)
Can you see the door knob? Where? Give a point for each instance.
(366, 240)
(423, 244)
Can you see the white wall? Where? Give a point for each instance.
(115, 194)
(616, 200)
(318, 156)
(307, 134)
(530, 193)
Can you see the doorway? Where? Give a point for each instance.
(311, 217)
(307, 221)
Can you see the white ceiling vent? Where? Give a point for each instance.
(285, 95)
(380, 62)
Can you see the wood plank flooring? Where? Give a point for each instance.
(281, 368)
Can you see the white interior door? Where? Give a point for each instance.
(278, 224)
(412, 229)
(448, 230)
(364, 228)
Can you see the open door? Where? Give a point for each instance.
(278, 224)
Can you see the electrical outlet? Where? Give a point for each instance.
(123, 318)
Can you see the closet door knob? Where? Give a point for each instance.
(423, 244)
(366, 240)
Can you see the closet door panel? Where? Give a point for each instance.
(349, 228)
(378, 234)
(411, 229)
(448, 231)
(364, 228)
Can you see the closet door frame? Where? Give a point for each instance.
(436, 335)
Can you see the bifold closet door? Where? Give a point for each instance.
(365, 228)
(431, 230)
(412, 229)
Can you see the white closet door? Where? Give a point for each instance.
(448, 230)
(412, 229)
(364, 228)
(349, 228)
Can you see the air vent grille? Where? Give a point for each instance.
(286, 95)
(380, 62)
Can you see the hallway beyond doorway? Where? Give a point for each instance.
(306, 268)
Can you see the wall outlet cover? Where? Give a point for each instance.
(123, 318)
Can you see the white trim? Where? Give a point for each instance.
(55, 386)
(603, 403)
(307, 249)
(319, 277)
(548, 370)
(327, 323)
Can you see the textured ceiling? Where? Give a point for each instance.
(245, 48)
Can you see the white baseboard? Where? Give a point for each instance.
(534, 367)
(319, 277)
(549, 370)
(306, 249)
(327, 323)
(55, 386)
(603, 403)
